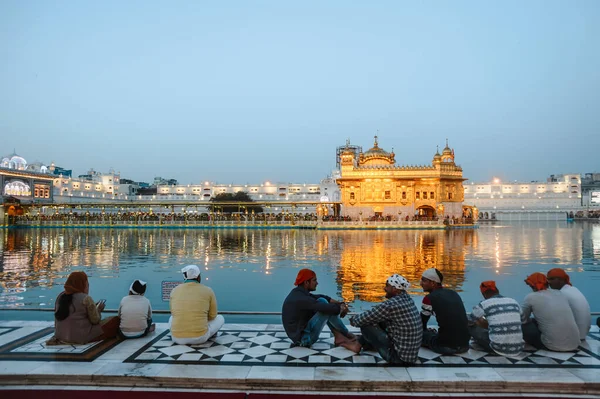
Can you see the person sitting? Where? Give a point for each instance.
(77, 318)
(393, 328)
(495, 323)
(135, 312)
(558, 279)
(304, 314)
(194, 317)
(453, 333)
(554, 325)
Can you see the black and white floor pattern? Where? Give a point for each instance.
(272, 347)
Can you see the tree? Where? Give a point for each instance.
(240, 197)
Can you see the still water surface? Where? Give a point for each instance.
(255, 269)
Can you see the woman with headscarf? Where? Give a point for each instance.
(77, 318)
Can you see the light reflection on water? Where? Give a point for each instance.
(255, 269)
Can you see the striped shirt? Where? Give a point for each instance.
(504, 324)
(403, 324)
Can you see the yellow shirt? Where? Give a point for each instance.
(192, 306)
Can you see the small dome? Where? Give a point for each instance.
(447, 150)
(13, 161)
(377, 152)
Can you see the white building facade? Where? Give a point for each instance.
(559, 195)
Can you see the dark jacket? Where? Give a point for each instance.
(299, 307)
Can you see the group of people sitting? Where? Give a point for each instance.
(394, 328)
(78, 318)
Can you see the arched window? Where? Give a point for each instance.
(17, 188)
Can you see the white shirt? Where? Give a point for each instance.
(555, 319)
(580, 307)
(134, 311)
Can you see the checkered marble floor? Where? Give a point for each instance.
(266, 345)
(271, 347)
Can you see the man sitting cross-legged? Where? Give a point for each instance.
(558, 279)
(194, 310)
(495, 323)
(453, 333)
(554, 326)
(304, 314)
(393, 328)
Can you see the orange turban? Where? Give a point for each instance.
(560, 273)
(537, 280)
(76, 283)
(303, 275)
(488, 286)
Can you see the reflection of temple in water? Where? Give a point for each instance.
(367, 260)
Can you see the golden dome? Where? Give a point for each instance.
(447, 150)
(377, 152)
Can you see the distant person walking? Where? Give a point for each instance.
(194, 310)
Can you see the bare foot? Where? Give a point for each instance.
(353, 346)
(339, 338)
(152, 328)
(351, 336)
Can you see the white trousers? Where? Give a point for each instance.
(214, 325)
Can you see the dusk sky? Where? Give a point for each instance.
(250, 91)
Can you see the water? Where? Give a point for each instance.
(255, 269)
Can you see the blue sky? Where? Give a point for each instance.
(249, 91)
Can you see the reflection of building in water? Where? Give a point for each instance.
(532, 241)
(367, 260)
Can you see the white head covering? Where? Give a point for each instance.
(143, 283)
(190, 272)
(432, 274)
(399, 282)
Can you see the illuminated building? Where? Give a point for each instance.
(372, 185)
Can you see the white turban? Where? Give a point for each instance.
(432, 274)
(190, 272)
(399, 282)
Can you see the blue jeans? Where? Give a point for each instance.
(532, 334)
(482, 337)
(315, 325)
(431, 341)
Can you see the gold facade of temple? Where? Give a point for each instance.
(372, 185)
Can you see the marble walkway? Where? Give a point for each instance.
(259, 357)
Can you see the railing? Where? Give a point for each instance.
(237, 223)
(384, 223)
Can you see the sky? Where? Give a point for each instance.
(253, 91)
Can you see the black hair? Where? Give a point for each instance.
(440, 275)
(138, 288)
(65, 301)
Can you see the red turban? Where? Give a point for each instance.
(76, 282)
(304, 275)
(560, 273)
(537, 280)
(488, 286)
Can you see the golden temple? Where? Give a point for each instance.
(371, 185)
